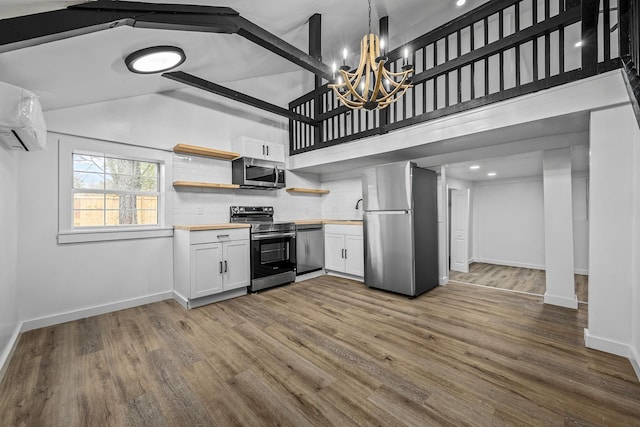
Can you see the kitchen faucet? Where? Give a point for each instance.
(357, 203)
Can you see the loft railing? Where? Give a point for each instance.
(500, 50)
(630, 49)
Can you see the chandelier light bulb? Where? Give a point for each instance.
(345, 53)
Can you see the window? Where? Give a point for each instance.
(110, 191)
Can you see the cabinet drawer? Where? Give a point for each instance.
(214, 236)
(349, 230)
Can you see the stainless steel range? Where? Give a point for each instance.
(273, 246)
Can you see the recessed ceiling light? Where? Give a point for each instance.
(474, 167)
(155, 59)
(491, 174)
(461, 2)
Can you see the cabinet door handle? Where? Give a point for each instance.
(267, 149)
(220, 236)
(345, 254)
(220, 267)
(225, 266)
(263, 150)
(341, 253)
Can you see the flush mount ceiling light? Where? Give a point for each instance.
(474, 167)
(155, 59)
(371, 85)
(460, 3)
(491, 174)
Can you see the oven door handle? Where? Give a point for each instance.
(271, 236)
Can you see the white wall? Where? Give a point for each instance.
(611, 219)
(579, 193)
(635, 262)
(57, 280)
(508, 223)
(9, 318)
(340, 203)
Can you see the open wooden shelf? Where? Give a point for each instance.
(307, 190)
(193, 184)
(205, 152)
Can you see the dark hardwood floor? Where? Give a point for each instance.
(327, 351)
(519, 279)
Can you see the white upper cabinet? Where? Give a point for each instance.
(259, 149)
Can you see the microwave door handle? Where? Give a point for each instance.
(276, 177)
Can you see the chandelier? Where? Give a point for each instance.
(371, 85)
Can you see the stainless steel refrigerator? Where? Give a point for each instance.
(400, 228)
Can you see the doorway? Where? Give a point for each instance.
(505, 240)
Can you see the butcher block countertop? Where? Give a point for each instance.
(327, 221)
(211, 227)
(341, 222)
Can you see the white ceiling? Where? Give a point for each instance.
(515, 166)
(90, 68)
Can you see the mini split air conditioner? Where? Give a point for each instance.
(22, 125)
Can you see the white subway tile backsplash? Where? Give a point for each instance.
(211, 206)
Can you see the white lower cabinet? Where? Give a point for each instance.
(211, 262)
(344, 249)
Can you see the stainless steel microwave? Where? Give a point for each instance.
(257, 173)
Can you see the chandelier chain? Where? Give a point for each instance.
(369, 16)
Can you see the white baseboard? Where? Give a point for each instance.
(8, 351)
(561, 301)
(634, 358)
(68, 316)
(510, 263)
(606, 345)
(210, 299)
(345, 276)
(183, 301)
(523, 265)
(307, 276)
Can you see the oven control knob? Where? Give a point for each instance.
(241, 209)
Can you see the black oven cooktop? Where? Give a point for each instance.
(273, 246)
(260, 218)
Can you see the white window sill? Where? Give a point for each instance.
(85, 236)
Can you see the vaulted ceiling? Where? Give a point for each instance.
(90, 68)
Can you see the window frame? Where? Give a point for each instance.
(68, 233)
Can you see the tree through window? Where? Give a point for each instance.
(110, 191)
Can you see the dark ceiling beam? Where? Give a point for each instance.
(206, 19)
(315, 42)
(140, 7)
(32, 30)
(262, 37)
(197, 82)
